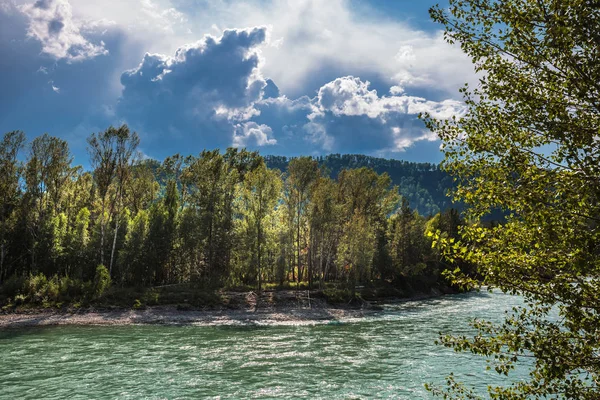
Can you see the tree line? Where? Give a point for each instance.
(424, 185)
(216, 219)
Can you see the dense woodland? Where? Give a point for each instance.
(216, 220)
(424, 185)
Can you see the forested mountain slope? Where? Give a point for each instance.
(425, 185)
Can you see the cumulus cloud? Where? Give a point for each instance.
(390, 122)
(212, 92)
(245, 133)
(347, 115)
(317, 135)
(310, 37)
(345, 37)
(215, 93)
(206, 87)
(51, 23)
(350, 96)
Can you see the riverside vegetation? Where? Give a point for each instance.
(529, 145)
(133, 232)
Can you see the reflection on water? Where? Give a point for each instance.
(389, 355)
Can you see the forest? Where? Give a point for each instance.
(216, 220)
(424, 185)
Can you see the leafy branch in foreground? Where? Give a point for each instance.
(529, 145)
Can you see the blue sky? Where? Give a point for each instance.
(285, 77)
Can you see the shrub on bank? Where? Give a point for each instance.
(38, 289)
(341, 296)
(101, 280)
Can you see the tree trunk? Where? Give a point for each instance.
(102, 230)
(310, 261)
(2, 249)
(258, 255)
(291, 262)
(298, 242)
(2, 255)
(114, 246)
(321, 269)
(33, 267)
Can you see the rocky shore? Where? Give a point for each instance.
(270, 308)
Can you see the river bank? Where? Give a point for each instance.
(168, 315)
(244, 308)
(389, 354)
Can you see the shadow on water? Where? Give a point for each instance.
(14, 332)
(47, 321)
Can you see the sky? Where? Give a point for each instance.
(285, 77)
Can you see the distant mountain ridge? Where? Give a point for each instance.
(425, 185)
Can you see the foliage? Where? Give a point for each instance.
(137, 305)
(529, 146)
(10, 169)
(217, 220)
(38, 289)
(102, 280)
(258, 197)
(340, 295)
(424, 185)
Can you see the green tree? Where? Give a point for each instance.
(302, 172)
(356, 249)
(205, 178)
(161, 235)
(141, 187)
(77, 244)
(10, 172)
(260, 191)
(112, 154)
(325, 216)
(47, 170)
(367, 198)
(101, 281)
(133, 255)
(529, 145)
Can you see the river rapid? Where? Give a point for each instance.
(387, 355)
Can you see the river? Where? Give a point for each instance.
(388, 355)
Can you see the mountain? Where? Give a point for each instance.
(425, 185)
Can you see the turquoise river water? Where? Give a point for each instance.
(388, 355)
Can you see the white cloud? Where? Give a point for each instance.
(56, 89)
(329, 32)
(209, 87)
(346, 110)
(157, 26)
(351, 96)
(215, 90)
(51, 22)
(250, 133)
(348, 116)
(307, 35)
(405, 55)
(222, 73)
